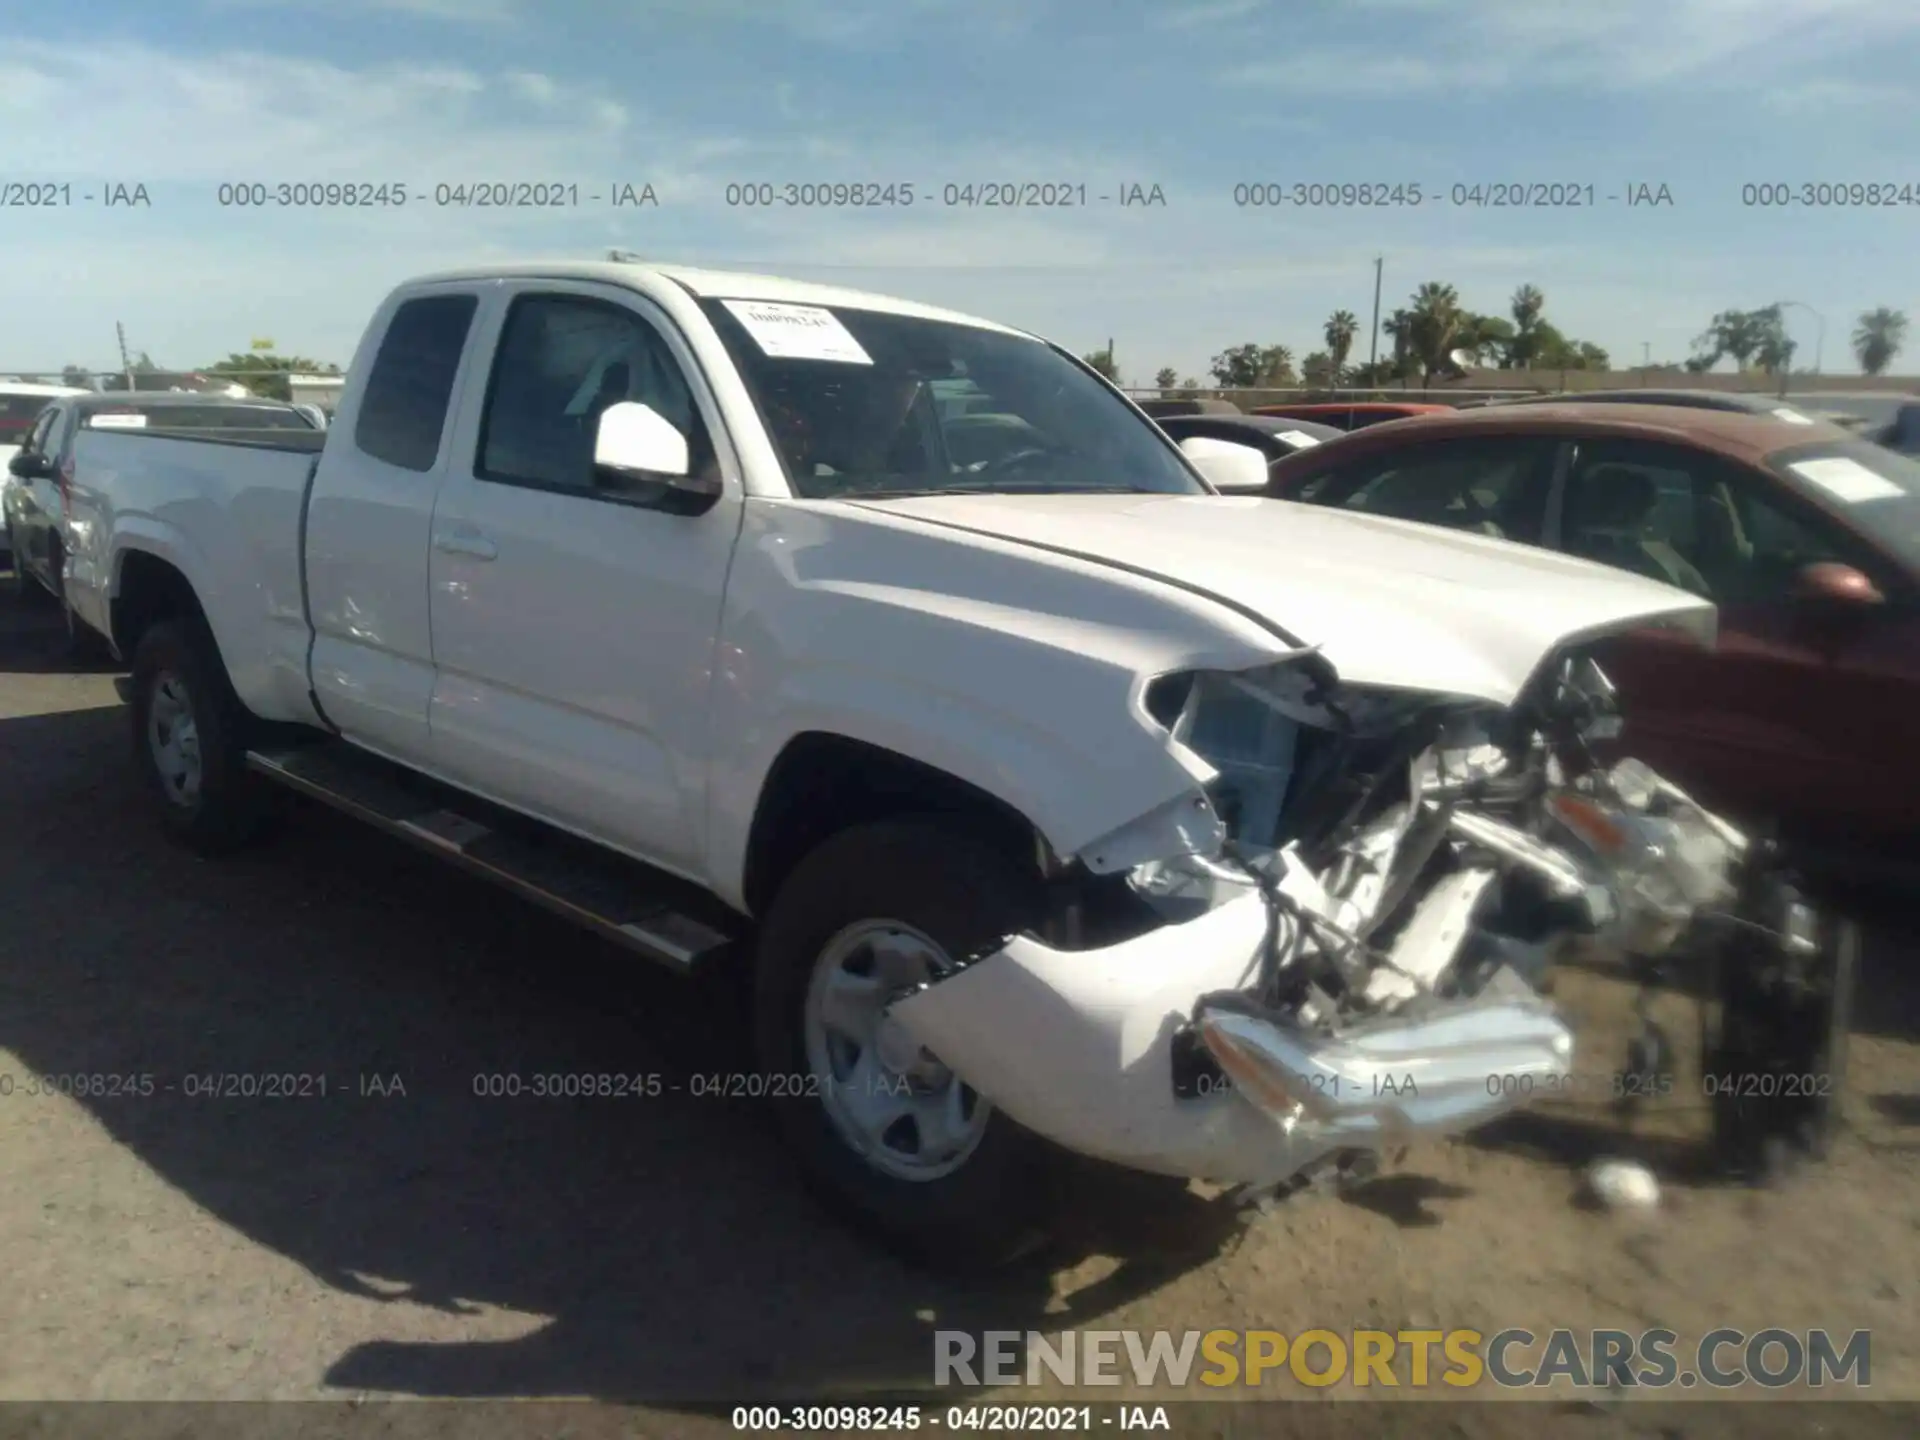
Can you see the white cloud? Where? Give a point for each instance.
(1197, 14)
(1482, 45)
(470, 12)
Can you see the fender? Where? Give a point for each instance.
(265, 659)
(1022, 674)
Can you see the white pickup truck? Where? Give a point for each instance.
(1054, 799)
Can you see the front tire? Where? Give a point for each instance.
(190, 739)
(894, 1141)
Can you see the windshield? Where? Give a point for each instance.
(866, 403)
(200, 417)
(1878, 490)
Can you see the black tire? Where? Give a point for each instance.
(230, 807)
(959, 892)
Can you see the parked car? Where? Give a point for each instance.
(1353, 414)
(1807, 538)
(1273, 437)
(1162, 409)
(42, 471)
(1745, 402)
(1902, 432)
(653, 593)
(20, 405)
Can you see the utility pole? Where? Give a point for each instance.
(125, 363)
(1373, 343)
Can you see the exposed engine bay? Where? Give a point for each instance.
(1405, 870)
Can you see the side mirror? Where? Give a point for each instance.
(1830, 583)
(1231, 469)
(28, 466)
(636, 442)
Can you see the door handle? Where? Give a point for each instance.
(465, 542)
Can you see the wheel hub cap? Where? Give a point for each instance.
(174, 739)
(890, 1098)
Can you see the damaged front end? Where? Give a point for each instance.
(1336, 945)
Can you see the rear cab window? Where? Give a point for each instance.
(409, 388)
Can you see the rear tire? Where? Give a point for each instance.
(190, 740)
(985, 1202)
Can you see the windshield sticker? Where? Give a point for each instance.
(1846, 480)
(135, 421)
(1791, 416)
(797, 332)
(1299, 439)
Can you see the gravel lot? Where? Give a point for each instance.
(658, 1252)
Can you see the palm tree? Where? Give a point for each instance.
(1340, 329)
(1525, 307)
(1881, 336)
(1437, 322)
(1398, 327)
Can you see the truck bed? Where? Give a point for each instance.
(227, 509)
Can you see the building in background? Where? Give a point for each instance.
(320, 390)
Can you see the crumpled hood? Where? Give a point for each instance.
(1389, 602)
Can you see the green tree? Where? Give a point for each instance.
(1736, 333)
(1880, 335)
(1253, 367)
(266, 374)
(77, 377)
(1102, 360)
(1774, 352)
(1339, 333)
(1487, 338)
(1524, 348)
(1166, 378)
(1592, 357)
(1434, 327)
(1319, 371)
(1397, 327)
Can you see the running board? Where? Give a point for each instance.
(621, 899)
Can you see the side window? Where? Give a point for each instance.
(1494, 487)
(36, 442)
(1646, 507)
(562, 361)
(1773, 536)
(1696, 521)
(404, 407)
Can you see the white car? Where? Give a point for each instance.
(1056, 801)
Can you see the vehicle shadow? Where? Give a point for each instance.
(649, 1248)
(33, 640)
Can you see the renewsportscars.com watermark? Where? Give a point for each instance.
(1725, 1359)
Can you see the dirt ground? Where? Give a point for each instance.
(426, 1242)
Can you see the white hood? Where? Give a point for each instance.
(1389, 602)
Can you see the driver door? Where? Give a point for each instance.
(573, 623)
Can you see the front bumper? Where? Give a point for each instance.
(1079, 1047)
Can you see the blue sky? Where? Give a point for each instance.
(689, 95)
